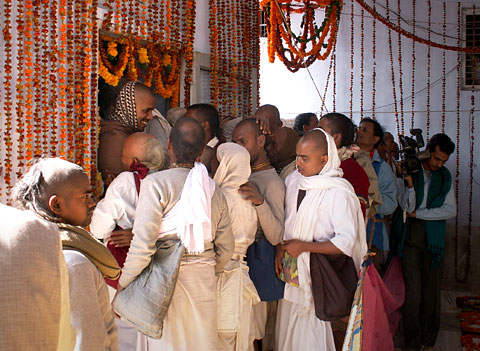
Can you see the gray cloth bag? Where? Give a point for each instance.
(144, 302)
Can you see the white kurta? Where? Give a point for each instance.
(191, 320)
(334, 221)
(118, 208)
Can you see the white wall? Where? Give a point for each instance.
(294, 93)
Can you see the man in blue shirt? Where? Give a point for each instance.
(428, 201)
(369, 137)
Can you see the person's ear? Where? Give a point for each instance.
(325, 159)
(261, 140)
(337, 138)
(206, 127)
(55, 205)
(376, 139)
(135, 160)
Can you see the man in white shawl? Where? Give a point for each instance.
(328, 221)
(236, 293)
(183, 202)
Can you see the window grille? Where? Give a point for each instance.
(471, 37)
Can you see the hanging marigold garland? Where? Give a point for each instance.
(189, 12)
(7, 101)
(20, 95)
(51, 59)
(312, 44)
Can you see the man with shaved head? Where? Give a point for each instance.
(281, 150)
(266, 190)
(322, 215)
(183, 203)
(271, 114)
(60, 192)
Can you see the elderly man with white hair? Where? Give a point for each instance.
(236, 293)
(323, 216)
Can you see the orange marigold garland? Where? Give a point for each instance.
(187, 38)
(313, 36)
(20, 96)
(38, 80)
(53, 53)
(7, 101)
(70, 118)
(28, 74)
(212, 24)
(62, 78)
(94, 122)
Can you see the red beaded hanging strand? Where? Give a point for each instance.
(400, 72)
(472, 155)
(394, 89)
(457, 146)
(374, 49)
(429, 61)
(334, 76)
(444, 78)
(413, 63)
(352, 66)
(7, 101)
(362, 59)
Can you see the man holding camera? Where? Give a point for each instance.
(428, 201)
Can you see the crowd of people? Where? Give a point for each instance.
(223, 228)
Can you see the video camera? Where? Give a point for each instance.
(411, 154)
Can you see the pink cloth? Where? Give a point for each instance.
(396, 285)
(378, 304)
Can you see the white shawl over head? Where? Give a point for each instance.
(194, 220)
(233, 171)
(329, 177)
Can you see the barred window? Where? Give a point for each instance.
(471, 62)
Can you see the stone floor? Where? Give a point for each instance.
(449, 337)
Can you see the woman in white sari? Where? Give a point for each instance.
(236, 293)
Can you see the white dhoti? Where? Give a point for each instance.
(236, 297)
(301, 331)
(191, 321)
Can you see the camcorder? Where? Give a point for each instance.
(410, 150)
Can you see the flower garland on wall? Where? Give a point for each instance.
(312, 44)
(46, 94)
(150, 53)
(234, 56)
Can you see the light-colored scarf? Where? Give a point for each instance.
(194, 224)
(233, 171)
(125, 110)
(315, 186)
(78, 239)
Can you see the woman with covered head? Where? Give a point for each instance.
(322, 215)
(130, 113)
(236, 293)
